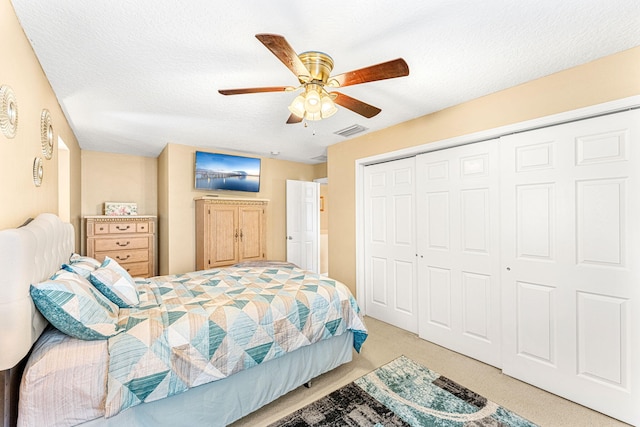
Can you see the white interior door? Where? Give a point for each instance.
(390, 284)
(571, 251)
(458, 246)
(303, 224)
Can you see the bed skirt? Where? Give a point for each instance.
(224, 401)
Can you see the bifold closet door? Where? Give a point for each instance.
(571, 261)
(390, 282)
(458, 248)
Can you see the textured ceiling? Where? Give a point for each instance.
(132, 76)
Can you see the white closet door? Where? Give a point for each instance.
(458, 248)
(571, 254)
(390, 284)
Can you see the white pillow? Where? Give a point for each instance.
(115, 283)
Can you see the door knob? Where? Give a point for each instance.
(290, 238)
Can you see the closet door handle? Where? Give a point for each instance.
(241, 235)
(236, 234)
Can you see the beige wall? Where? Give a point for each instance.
(108, 177)
(20, 69)
(176, 207)
(606, 79)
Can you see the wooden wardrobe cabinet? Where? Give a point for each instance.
(229, 231)
(130, 240)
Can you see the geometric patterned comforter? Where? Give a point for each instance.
(194, 328)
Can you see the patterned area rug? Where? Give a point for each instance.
(403, 393)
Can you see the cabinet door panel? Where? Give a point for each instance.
(251, 241)
(223, 223)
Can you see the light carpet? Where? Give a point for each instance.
(403, 393)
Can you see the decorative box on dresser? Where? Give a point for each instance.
(130, 240)
(229, 230)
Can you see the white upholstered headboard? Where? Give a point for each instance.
(28, 255)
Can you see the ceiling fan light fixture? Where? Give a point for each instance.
(297, 106)
(328, 107)
(312, 103)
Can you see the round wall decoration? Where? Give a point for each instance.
(8, 112)
(37, 171)
(46, 134)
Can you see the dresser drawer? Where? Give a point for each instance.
(120, 243)
(122, 227)
(137, 269)
(125, 256)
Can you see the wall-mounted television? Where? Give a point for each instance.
(215, 171)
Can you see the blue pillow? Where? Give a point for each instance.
(73, 306)
(116, 284)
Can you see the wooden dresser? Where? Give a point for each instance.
(229, 230)
(130, 240)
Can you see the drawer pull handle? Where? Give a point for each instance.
(101, 228)
(122, 258)
(123, 244)
(122, 229)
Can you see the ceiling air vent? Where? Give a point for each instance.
(321, 158)
(351, 130)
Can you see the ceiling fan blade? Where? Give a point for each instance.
(386, 70)
(294, 119)
(255, 90)
(279, 46)
(355, 105)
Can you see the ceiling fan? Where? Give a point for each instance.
(313, 70)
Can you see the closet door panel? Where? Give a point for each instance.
(390, 278)
(570, 247)
(458, 248)
(437, 311)
(536, 322)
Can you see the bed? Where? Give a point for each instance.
(258, 344)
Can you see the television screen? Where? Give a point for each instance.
(216, 171)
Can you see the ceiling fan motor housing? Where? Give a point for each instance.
(319, 65)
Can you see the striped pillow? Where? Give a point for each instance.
(115, 283)
(82, 265)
